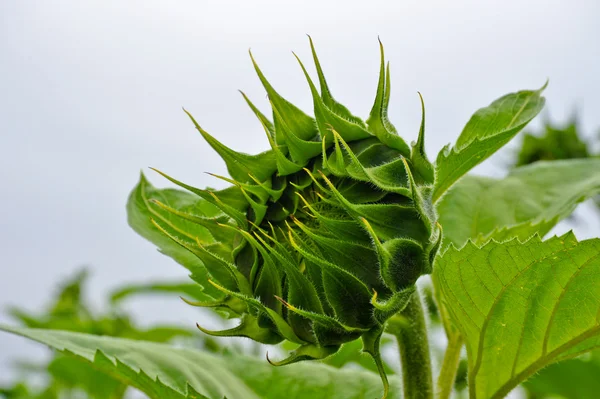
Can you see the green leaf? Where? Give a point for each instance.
(378, 121)
(487, 131)
(531, 199)
(67, 309)
(157, 333)
(261, 117)
(163, 372)
(348, 295)
(69, 298)
(21, 391)
(521, 306)
(141, 211)
(573, 378)
(188, 290)
(328, 119)
(554, 142)
(302, 125)
(239, 165)
(69, 372)
(418, 157)
(326, 96)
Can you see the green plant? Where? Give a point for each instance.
(68, 310)
(552, 143)
(320, 240)
(557, 142)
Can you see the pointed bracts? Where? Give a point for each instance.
(320, 239)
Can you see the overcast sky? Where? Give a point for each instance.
(91, 93)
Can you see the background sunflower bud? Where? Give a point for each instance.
(318, 240)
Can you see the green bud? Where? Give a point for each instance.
(319, 240)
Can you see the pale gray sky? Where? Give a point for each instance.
(91, 92)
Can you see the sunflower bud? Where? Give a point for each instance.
(320, 239)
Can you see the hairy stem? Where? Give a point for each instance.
(410, 330)
(447, 376)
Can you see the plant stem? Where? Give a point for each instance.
(445, 382)
(414, 350)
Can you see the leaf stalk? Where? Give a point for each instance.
(447, 376)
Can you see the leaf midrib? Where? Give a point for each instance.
(546, 357)
(545, 360)
(562, 293)
(442, 183)
(529, 97)
(497, 299)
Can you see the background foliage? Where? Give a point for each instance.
(74, 377)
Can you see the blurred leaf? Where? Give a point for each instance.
(187, 290)
(487, 131)
(18, 391)
(21, 390)
(163, 372)
(72, 373)
(515, 303)
(531, 199)
(67, 311)
(69, 301)
(158, 333)
(573, 378)
(553, 144)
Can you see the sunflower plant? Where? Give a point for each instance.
(321, 240)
